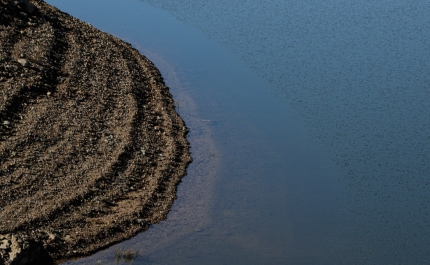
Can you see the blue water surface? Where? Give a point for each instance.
(309, 127)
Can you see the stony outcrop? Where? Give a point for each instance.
(18, 249)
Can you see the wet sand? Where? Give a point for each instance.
(91, 146)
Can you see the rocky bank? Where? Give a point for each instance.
(91, 147)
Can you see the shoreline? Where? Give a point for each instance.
(91, 146)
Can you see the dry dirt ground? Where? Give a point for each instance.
(91, 147)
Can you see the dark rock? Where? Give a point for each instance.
(22, 251)
(23, 15)
(25, 5)
(23, 2)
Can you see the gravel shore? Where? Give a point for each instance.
(91, 147)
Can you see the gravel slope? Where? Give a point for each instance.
(91, 147)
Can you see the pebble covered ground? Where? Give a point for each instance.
(91, 147)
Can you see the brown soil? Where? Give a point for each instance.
(91, 147)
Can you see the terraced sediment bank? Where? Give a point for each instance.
(91, 147)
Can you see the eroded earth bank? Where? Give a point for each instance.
(91, 147)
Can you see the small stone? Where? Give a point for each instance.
(142, 222)
(54, 236)
(5, 244)
(26, 245)
(23, 15)
(24, 62)
(6, 123)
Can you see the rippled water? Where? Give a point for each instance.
(309, 123)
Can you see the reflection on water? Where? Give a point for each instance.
(263, 187)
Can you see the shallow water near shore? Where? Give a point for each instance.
(309, 147)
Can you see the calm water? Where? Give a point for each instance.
(309, 127)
